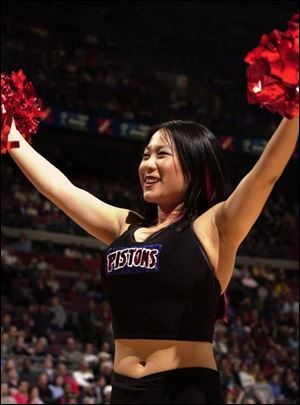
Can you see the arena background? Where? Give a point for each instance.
(106, 71)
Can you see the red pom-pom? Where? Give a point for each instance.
(273, 71)
(18, 101)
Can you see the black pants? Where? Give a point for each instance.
(192, 385)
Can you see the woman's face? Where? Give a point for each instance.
(59, 380)
(34, 392)
(160, 173)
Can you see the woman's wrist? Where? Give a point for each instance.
(14, 134)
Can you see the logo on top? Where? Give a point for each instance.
(132, 260)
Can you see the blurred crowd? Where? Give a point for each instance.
(127, 67)
(56, 340)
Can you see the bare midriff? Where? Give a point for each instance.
(137, 358)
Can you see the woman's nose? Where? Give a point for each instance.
(151, 162)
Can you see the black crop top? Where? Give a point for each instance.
(162, 288)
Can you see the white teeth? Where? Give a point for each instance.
(151, 180)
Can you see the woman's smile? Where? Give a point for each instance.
(151, 183)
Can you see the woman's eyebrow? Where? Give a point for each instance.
(157, 147)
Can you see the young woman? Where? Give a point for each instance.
(165, 272)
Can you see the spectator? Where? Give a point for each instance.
(23, 244)
(68, 379)
(105, 349)
(41, 347)
(84, 376)
(52, 282)
(34, 396)
(89, 355)
(20, 348)
(58, 312)
(42, 293)
(276, 386)
(21, 395)
(6, 322)
(12, 378)
(99, 385)
(70, 355)
(26, 372)
(80, 286)
(290, 386)
(41, 317)
(91, 324)
(57, 389)
(48, 368)
(6, 344)
(6, 397)
(107, 394)
(106, 370)
(43, 387)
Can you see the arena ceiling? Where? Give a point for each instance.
(78, 11)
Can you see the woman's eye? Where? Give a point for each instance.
(146, 155)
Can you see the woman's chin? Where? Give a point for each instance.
(150, 198)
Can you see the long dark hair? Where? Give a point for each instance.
(203, 166)
(202, 162)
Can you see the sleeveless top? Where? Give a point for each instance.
(162, 288)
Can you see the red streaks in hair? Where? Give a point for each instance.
(208, 186)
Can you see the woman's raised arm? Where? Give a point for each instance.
(99, 219)
(235, 216)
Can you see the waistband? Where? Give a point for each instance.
(200, 375)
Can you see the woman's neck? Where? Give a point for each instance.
(169, 216)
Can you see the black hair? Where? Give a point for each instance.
(202, 162)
